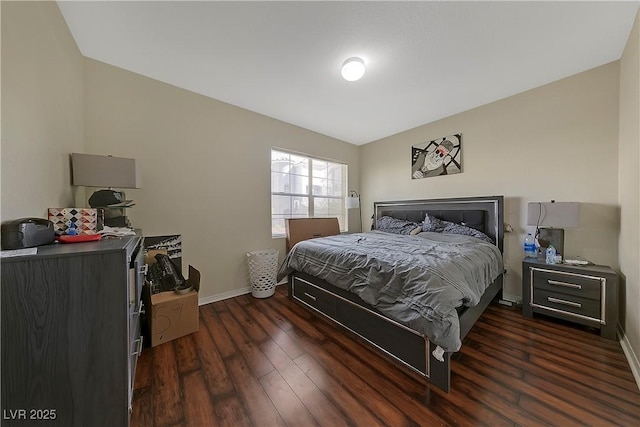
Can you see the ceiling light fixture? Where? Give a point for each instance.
(353, 69)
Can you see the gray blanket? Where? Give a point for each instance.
(417, 280)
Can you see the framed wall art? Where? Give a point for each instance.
(438, 157)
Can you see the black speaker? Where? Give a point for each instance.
(26, 233)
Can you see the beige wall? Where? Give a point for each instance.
(559, 141)
(42, 108)
(629, 193)
(205, 167)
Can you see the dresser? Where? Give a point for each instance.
(586, 295)
(71, 333)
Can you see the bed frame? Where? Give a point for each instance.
(408, 347)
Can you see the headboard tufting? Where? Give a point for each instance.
(482, 213)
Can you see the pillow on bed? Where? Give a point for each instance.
(397, 226)
(454, 228)
(431, 223)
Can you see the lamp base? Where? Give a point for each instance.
(552, 236)
(117, 221)
(113, 216)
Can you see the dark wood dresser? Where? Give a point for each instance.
(71, 333)
(587, 295)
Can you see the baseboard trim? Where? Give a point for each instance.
(227, 295)
(513, 299)
(631, 356)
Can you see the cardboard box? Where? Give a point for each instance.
(171, 315)
(299, 229)
(86, 220)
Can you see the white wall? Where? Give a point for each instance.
(629, 194)
(205, 168)
(42, 109)
(558, 141)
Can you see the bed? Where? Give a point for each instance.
(411, 295)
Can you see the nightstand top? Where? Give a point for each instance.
(540, 263)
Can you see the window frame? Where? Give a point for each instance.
(310, 193)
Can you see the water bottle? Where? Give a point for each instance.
(550, 257)
(530, 247)
(72, 229)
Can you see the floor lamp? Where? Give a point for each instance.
(353, 202)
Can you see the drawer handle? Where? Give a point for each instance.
(310, 296)
(561, 301)
(139, 349)
(564, 284)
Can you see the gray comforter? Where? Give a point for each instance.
(417, 280)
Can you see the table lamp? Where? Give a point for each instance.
(107, 172)
(550, 219)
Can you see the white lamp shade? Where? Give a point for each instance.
(553, 214)
(353, 69)
(92, 170)
(352, 202)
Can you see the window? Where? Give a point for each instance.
(303, 187)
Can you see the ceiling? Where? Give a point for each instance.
(425, 60)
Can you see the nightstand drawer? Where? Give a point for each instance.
(314, 297)
(567, 303)
(587, 295)
(573, 284)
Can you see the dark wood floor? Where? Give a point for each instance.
(269, 362)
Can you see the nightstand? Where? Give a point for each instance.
(587, 295)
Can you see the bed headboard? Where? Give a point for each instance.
(482, 213)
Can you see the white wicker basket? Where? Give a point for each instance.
(263, 272)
